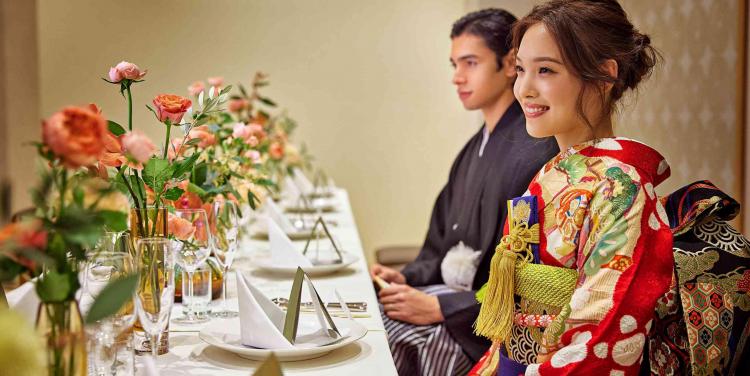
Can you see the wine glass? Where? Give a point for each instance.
(192, 247)
(224, 225)
(155, 293)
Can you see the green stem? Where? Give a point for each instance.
(130, 107)
(63, 187)
(166, 143)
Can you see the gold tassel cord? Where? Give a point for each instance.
(495, 319)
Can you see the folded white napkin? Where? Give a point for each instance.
(23, 299)
(262, 322)
(283, 251)
(304, 184)
(277, 215)
(291, 190)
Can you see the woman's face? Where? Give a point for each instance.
(548, 91)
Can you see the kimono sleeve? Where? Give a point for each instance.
(624, 260)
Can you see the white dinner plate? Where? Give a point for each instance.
(315, 270)
(225, 334)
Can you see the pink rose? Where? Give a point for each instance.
(181, 228)
(138, 146)
(215, 81)
(172, 107)
(276, 150)
(76, 135)
(196, 88)
(125, 70)
(237, 105)
(253, 155)
(241, 131)
(206, 137)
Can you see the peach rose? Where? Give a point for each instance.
(181, 228)
(207, 138)
(196, 88)
(172, 107)
(276, 150)
(237, 105)
(125, 70)
(138, 146)
(112, 155)
(76, 135)
(215, 81)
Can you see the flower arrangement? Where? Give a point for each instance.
(73, 208)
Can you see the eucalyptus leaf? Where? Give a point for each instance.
(184, 166)
(225, 90)
(192, 141)
(267, 101)
(112, 297)
(115, 128)
(196, 189)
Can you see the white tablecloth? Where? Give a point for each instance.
(371, 355)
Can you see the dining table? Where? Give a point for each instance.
(370, 355)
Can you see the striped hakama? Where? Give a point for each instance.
(427, 350)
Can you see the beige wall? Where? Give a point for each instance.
(20, 92)
(368, 82)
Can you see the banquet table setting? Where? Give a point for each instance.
(190, 355)
(222, 251)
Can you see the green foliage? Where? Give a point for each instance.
(156, 173)
(115, 128)
(114, 295)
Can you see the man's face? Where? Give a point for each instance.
(478, 80)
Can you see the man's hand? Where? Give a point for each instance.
(387, 274)
(407, 304)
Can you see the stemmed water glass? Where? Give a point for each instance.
(192, 247)
(155, 292)
(110, 260)
(225, 227)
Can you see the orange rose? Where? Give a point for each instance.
(181, 228)
(204, 134)
(188, 200)
(76, 135)
(172, 107)
(26, 234)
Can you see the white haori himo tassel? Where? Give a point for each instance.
(459, 266)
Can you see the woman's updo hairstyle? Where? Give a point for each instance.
(589, 32)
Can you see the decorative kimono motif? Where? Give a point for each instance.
(599, 216)
(703, 322)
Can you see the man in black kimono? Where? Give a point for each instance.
(430, 307)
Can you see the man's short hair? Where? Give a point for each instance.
(493, 25)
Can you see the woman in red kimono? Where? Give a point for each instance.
(587, 251)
